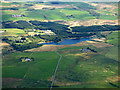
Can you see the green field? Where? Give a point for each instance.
(59, 14)
(92, 71)
(42, 68)
(81, 13)
(76, 67)
(13, 32)
(113, 38)
(47, 14)
(113, 53)
(108, 17)
(6, 15)
(84, 65)
(34, 74)
(72, 12)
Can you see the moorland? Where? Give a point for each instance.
(27, 63)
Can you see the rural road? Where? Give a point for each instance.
(55, 70)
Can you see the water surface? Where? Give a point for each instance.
(68, 41)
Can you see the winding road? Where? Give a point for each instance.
(55, 70)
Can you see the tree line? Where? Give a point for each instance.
(95, 28)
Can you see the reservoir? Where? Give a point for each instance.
(68, 41)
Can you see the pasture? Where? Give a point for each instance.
(113, 53)
(42, 68)
(12, 32)
(113, 38)
(85, 70)
(46, 14)
(108, 17)
(78, 68)
(72, 12)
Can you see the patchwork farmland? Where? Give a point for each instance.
(34, 49)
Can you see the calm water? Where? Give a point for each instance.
(68, 41)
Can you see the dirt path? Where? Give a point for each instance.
(55, 70)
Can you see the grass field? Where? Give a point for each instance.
(6, 15)
(57, 14)
(46, 15)
(113, 53)
(13, 32)
(108, 17)
(42, 68)
(113, 38)
(89, 70)
(77, 68)
(72, 12)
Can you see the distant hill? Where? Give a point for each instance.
(68, 0)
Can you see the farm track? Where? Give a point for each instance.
(55, 70)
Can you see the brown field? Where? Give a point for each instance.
(39, 6)
(110, 22)
(100, 40)
(73, 83)
(89, 22)
(13, 5)
(50, 79)
(49, 6)
(5, 44)
(114, 78)
(101, 6)
(56, 47)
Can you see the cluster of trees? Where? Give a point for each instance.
(78, 36)
(6, 50)
(18, 24)
(21, 47)
(13, 8)
(30, 9)
(29, 4)
(95, 28)
(58, 29)
(97, 15)
(51, 38)
(55, 2)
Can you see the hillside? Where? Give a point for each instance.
(60, 44)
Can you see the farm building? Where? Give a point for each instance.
(48, 32)
(84, 50)
(87, 50)
(26, 59)
(16, 15)
(1, 31)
